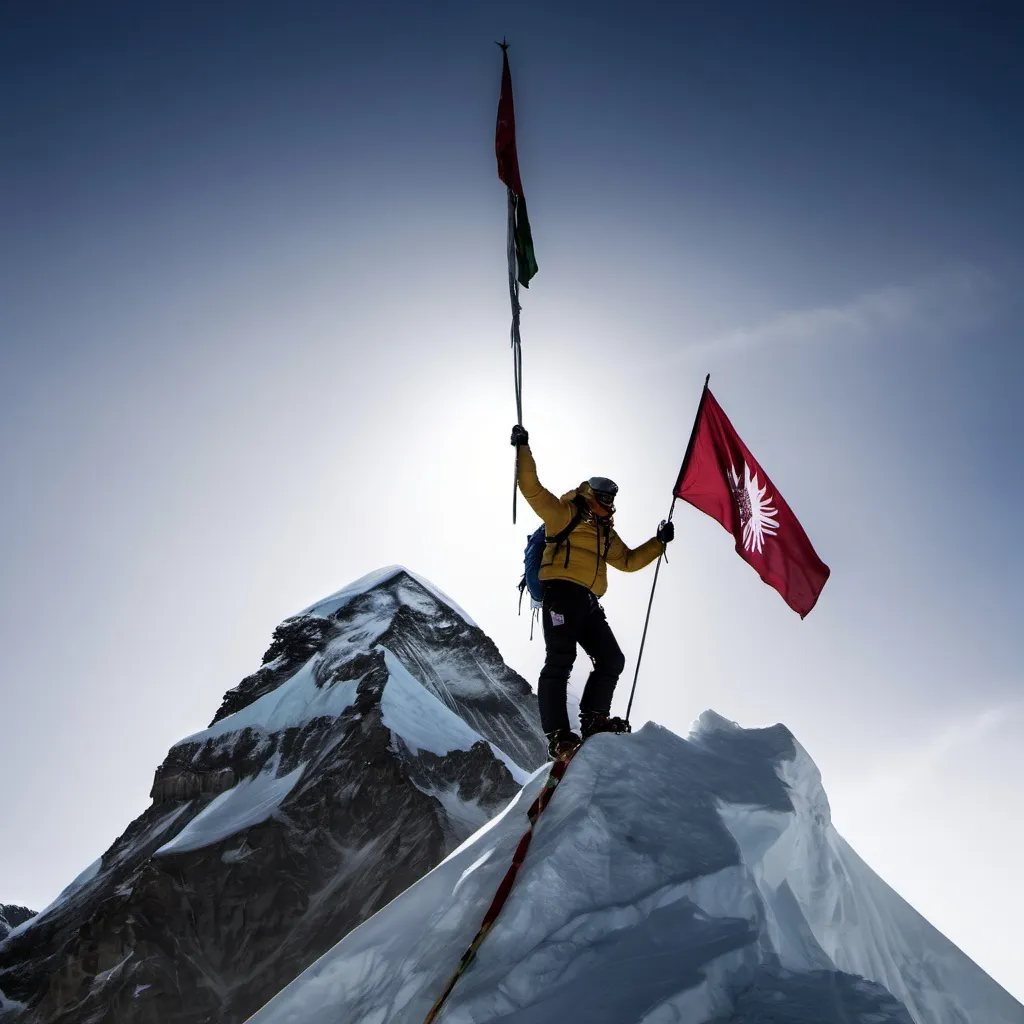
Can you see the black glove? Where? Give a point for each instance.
(666, 531)
(520, 435)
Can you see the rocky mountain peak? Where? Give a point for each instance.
(380, 731)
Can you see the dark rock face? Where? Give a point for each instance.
(212, 900)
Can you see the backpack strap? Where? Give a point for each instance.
(562, 537)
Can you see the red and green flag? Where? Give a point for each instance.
(508, 172)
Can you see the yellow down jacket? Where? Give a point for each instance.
(582, 557)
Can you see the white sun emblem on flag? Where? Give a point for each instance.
(757, 514)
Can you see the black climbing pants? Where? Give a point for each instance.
(573, 615)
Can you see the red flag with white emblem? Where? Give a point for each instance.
(720, 477)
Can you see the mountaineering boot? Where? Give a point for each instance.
(592, 722)
(562, 743)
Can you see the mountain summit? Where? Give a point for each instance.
(382, 729)
(370, 782)
(670, 881)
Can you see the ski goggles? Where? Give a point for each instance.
(604, 491)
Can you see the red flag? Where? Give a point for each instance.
(720, 477)
(505, 131)
(508, 171)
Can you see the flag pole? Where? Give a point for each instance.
(513, 295)
(517, 348)
(657, 568)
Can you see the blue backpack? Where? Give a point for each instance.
(535, 546)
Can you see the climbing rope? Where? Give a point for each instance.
(535, 811)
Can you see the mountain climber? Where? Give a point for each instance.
(575, 576)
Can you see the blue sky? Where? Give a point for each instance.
(253, 344)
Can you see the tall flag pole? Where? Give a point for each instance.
(721, 477)
(522, 263)
(657, 568)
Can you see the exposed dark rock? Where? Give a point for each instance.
(209, 929)
(295, 641)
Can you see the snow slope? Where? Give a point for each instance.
(247, 803)
(669, 881)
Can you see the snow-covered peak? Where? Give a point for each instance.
(669, 881)
(314, 665)
(330, 606)
(382, 729)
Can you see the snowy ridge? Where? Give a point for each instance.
(297, 701)
(670, 881)
(393, 610)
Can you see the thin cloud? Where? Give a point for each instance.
(919, 761)
(956, 299)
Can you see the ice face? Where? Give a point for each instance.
(669, 880)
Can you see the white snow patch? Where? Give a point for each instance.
(521, 777)
(293, 703)
(331, 605)
(422, 722)
(244, 805)
(479, 862)
(466, 816)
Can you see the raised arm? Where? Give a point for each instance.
(554, 512)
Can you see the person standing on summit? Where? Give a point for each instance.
(580, 544)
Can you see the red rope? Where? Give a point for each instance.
(501, 895)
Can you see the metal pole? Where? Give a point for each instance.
(657, 568)
(517, 349)
(650, 604)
